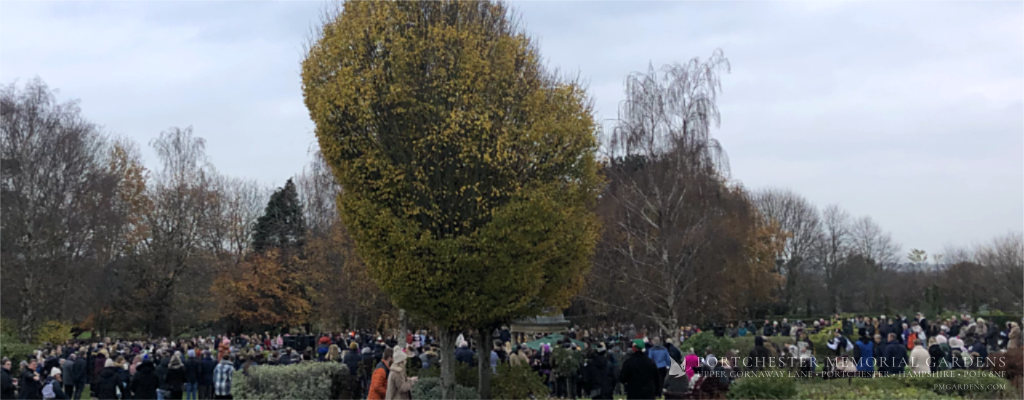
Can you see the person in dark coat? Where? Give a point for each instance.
(464, 355)
(759, 357)
(895, 356)
(206, 376)
(351, 358)
(599, 374)
(29, 383)
(98, 363)
(639, 374)
(192, 370)
(175, 381)
(673, 351)
(145, 381)
(6, 380)
(79, 374)
(936, 357)
(107, 382)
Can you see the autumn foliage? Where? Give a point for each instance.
(266, 291)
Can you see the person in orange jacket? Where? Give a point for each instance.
(379, 380)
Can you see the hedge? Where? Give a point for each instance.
(517, 382)
(308, 380)
(720, 345)
(763, 387)
(960, 384)
(430, 388)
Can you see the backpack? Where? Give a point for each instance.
(48, 390)
(910, 340)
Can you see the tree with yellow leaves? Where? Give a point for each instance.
(468, 172)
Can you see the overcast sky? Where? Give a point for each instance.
(912, 112)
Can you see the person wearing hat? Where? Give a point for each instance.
(639, 374)
(52, 387)
(598, 373)
(145, 382)
(399, 385)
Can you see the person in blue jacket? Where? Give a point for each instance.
(865, 354)
(659, 354)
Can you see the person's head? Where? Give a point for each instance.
(878, 338)
(33, 364)
(388, 355)
(708, 351)
(398, 356)
(55, 373)
(918, 342)
(892, 337)
(6, 363)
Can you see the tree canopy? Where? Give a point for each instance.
(468, 172)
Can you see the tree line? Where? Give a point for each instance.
(504, 196)
(92, 236)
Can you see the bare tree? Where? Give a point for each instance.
(242, 202)
(664, 171)
(1004, 256)
(869, 240)
(183, 224)
(833, 249)
(800, 220)
(318, 191)
(56, 194)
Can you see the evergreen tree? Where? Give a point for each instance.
(282, 225)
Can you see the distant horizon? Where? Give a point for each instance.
(910, 113)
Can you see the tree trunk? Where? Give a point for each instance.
(402, 327)
(447, 359)
(484, 362)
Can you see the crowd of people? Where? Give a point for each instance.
(593, 363)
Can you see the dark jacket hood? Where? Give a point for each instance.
(108, 372)
(146, 366)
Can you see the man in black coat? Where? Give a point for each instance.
(6, 380)
(599, 374)
(108, 381)
(29, 385)
(79, 374)
(192, 371)
(759, 357)
(673, 351)
(895, 356)
(206, 376)
(640, 375)
(145, 381)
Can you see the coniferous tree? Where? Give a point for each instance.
(282, 225)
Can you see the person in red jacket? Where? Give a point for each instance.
(379, 380)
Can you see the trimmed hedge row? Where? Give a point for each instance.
(946, 385)
(310, 380)
(430, 388)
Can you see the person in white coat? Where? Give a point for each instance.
(919, 358)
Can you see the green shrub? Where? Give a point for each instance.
(465, 375)
(310, 380)
(972, 383)
(820, 339)
(518, 382)
(719, 344)
(763, 387)
(430, 388)
(857, 391)
(14, 349)
(53, 332)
